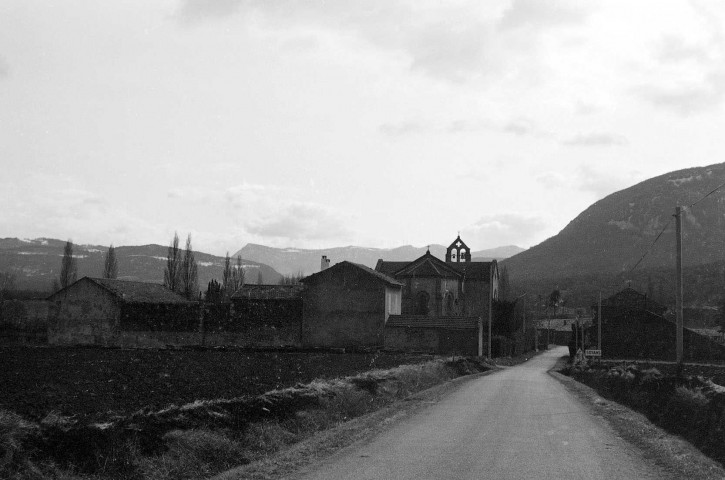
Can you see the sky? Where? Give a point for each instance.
(314, 124)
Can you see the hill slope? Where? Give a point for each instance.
(290, 261)
(38, 262)
(612, 235)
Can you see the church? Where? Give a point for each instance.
(456, 287)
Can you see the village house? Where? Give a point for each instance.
(633, 326)
(347, 306)
(100, 311)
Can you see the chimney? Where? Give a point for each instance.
(324, 263)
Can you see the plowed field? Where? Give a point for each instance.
(97, 382)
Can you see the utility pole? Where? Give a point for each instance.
(678, 291)
(490, 309)
(599, 322)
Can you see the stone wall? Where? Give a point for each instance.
(432, 340)
(24, 321)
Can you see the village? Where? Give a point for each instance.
(426, 305)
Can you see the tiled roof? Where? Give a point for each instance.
(268, 292)
(471, 270)
(345, 264)
(428, 266)
(137, 292)
(389, 268)
(474, 270)
(420, 321)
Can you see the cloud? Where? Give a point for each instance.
(4, 68)
(595, 140)
(449, 51)
(403, 128)
(538, 14)
(301, 221)
(672, 49)
(588, 179)
(604, 183)
(505, 229)
(687, 99)
(196, 11)
(518, 126)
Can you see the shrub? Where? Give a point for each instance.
(16, 436)
(194, 454)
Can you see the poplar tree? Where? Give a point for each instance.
(227, 277)
(110, 265)
(237, 278)
(172, 272)
(189, 272)
(68, 267)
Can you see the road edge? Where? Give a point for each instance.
(323, 447)
(670, 452)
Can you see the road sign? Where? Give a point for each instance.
(593, 353)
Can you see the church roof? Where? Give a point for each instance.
(471, 270)
(474, 270)
(428, 266)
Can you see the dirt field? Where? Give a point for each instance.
(96, 382)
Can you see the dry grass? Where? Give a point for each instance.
(204, 438)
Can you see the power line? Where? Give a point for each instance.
(668, 224)
(653, 244)
(703, 198)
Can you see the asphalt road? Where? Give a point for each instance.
(520, 423)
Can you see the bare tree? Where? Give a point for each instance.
(110, 265)
(237, 276)
(189, 272)
(68, 267)
(173, 266)
(227, 278)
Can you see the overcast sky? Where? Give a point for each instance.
(330, 123)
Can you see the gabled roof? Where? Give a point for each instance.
(631, 298)
(470, 270)
(268, 292)
(420, 321)
(128, 291)
(389, 268)
(378, 276)
(474, 270)
(428, 266)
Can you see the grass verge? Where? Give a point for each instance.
(204, 438)
(673, 453)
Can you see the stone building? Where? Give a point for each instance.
(633, 327)
(445, 305)
(347, 305)
(454, 287)
(99, 311)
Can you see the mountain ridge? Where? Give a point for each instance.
(614, 233)
(291, 261)
(38, 261)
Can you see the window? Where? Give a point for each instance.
(421, 303)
